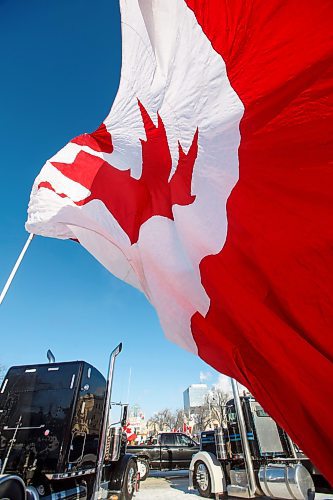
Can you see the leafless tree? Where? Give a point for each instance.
(210, 414)
(168, 419)
(179, 417)
(164, 420)
(202, 418)
(217, 400)
(153, 424)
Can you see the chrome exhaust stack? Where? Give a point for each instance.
(237, 490)
(102, 443)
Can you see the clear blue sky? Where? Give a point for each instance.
(59, 67)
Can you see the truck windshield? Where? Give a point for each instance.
(231, 416)
(260, 412)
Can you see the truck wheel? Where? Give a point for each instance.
(130, 478)
(202, 479)
(12, 488)
(143, 468)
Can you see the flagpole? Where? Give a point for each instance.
(129, 383)
(15, 268)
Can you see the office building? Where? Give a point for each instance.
(194, 397)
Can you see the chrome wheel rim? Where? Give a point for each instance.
(202, 477)
(142, 466)
(131, 480)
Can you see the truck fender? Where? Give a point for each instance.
(214, 467)
(118, 469)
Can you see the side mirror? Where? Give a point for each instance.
(124, 415)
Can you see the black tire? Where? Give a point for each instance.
(143, 465)
(12, 488)
(202, 479)
(130, 479)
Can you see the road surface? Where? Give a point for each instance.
(173, 486)
(166, 486)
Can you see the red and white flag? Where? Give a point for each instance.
(208, 187)
(130, 434)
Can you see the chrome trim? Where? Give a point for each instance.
(292, 446)
(290, 481)
(72, 381)
(65, 475)
(6, 428)
(101, 451)
(33, 493)
(202, 476)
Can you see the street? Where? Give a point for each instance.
(173, 485)
(166, 485)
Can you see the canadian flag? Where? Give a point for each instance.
(130, 434)
(187, 429)
(208, 187)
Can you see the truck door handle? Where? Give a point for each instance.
(165, 449)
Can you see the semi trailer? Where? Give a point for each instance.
(252, 456)
(56, 438)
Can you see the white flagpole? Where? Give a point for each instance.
(129, 384)
(15, 268)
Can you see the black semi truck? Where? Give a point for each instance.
(252, 456)
(56, 440)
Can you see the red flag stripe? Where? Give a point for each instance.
(270, 319)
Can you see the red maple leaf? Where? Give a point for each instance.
(133, 201)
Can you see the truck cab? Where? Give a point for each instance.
(55, 412)
(55, 433)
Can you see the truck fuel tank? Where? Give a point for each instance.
(290, 481)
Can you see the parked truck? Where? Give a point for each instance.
(56, 439)
(252, 456)
(173, 450)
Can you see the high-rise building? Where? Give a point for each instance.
(194, 396)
